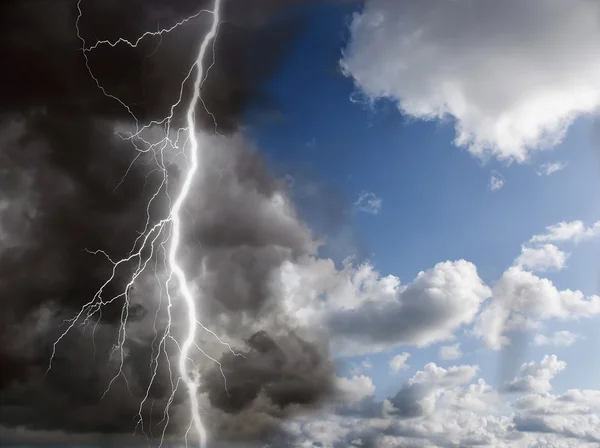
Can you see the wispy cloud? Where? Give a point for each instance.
(557, 339)
(496, 181)
(450, 352)
(550, 168)
(368, 202)
(359, 369)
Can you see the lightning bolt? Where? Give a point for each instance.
(163, 236)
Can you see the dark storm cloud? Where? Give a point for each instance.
(69, 396)
(275, 376)
(64, 190)
(291, 371)
(47, 69)
(56, 209)
(58, 177)
(247, 229)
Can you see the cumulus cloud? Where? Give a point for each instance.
(542, 258)
(428, 310)
(420, 393)
(496, 181)
(566, 231)
(356, 388)
(520, 299)
(572, 401)
(571, 416)
(311, 288)
(364, 312)
(557, 339)
(368, 203)
(535, 377)
(398, 362)
(549, 168)
(440, 407)
(512, 76)
(450, 352)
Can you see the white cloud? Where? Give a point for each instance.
(542, 258)
(520, 299)
(428, 310)
(558, 339)
(368, 203)
(364, 312)
(450, 352)
(438, 377)
(420, 394)
(564, 231)
(356, 388)
(452, 407)
(398, 362)
(496, 181)
(512, 75)
(312, 288)
(535, 377)
(573, 415)
(547, 169)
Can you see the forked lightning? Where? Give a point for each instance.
(164, 235)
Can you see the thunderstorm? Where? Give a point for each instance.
(166, 233)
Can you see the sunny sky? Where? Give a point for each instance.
(396, 225)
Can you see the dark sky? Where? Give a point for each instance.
(60, 165)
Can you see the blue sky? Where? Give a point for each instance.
(436, 200)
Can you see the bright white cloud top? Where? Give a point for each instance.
(564, 231)
(542, 258)
(398, 362)
(513, 75)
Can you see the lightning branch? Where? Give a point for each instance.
(161, 237)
